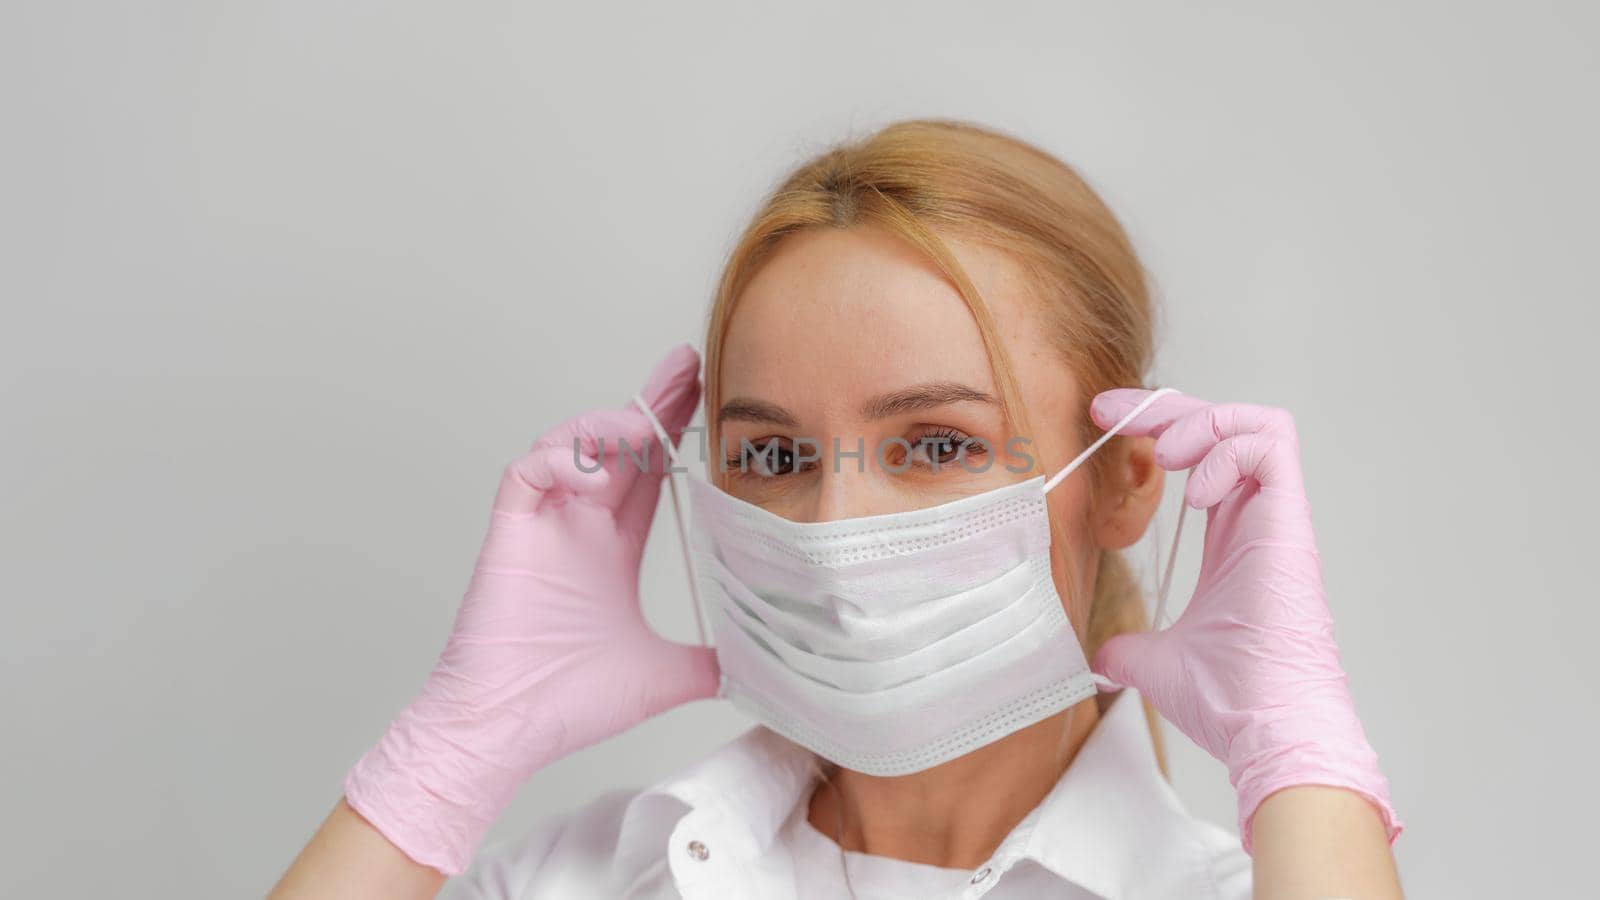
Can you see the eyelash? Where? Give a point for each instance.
(742, 464)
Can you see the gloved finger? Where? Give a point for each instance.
(673, 389)
(1103, 683)
(602, 433)
(1269, 457)
(593, 455)
(548, 469)
(673, 392)
(1135, 659)
(1108, 408)
(684, 672)
(1187, 440)
(600, 454)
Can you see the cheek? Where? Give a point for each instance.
(1074, 558)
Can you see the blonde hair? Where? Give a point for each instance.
(920, 177)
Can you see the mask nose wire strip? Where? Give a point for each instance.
(677, 514)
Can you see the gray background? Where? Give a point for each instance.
(286, 284)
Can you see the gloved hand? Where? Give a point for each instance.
(550, 652)
(1250, 670)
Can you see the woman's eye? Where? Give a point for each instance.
(764, 460)
(937, 449)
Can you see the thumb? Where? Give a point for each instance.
(1132, 659)
(685, 672)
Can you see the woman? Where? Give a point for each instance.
(942, 293)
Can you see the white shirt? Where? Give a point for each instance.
(734, 826)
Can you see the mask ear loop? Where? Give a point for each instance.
(677, 514)
(1110, 433)
(1157, 620)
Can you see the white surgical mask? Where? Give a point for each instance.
(890, 643)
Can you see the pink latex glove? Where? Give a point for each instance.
(550, 652)
(1250, 670)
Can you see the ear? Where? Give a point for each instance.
(1131, 493)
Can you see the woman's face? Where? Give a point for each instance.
(849, 340)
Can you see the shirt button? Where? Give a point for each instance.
(980, 875)
(698, 850)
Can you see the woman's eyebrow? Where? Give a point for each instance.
(745, 409)
(926, 395)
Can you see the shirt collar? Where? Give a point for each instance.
(754, 780)
(1111, 820)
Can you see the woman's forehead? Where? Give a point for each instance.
(839, 314)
